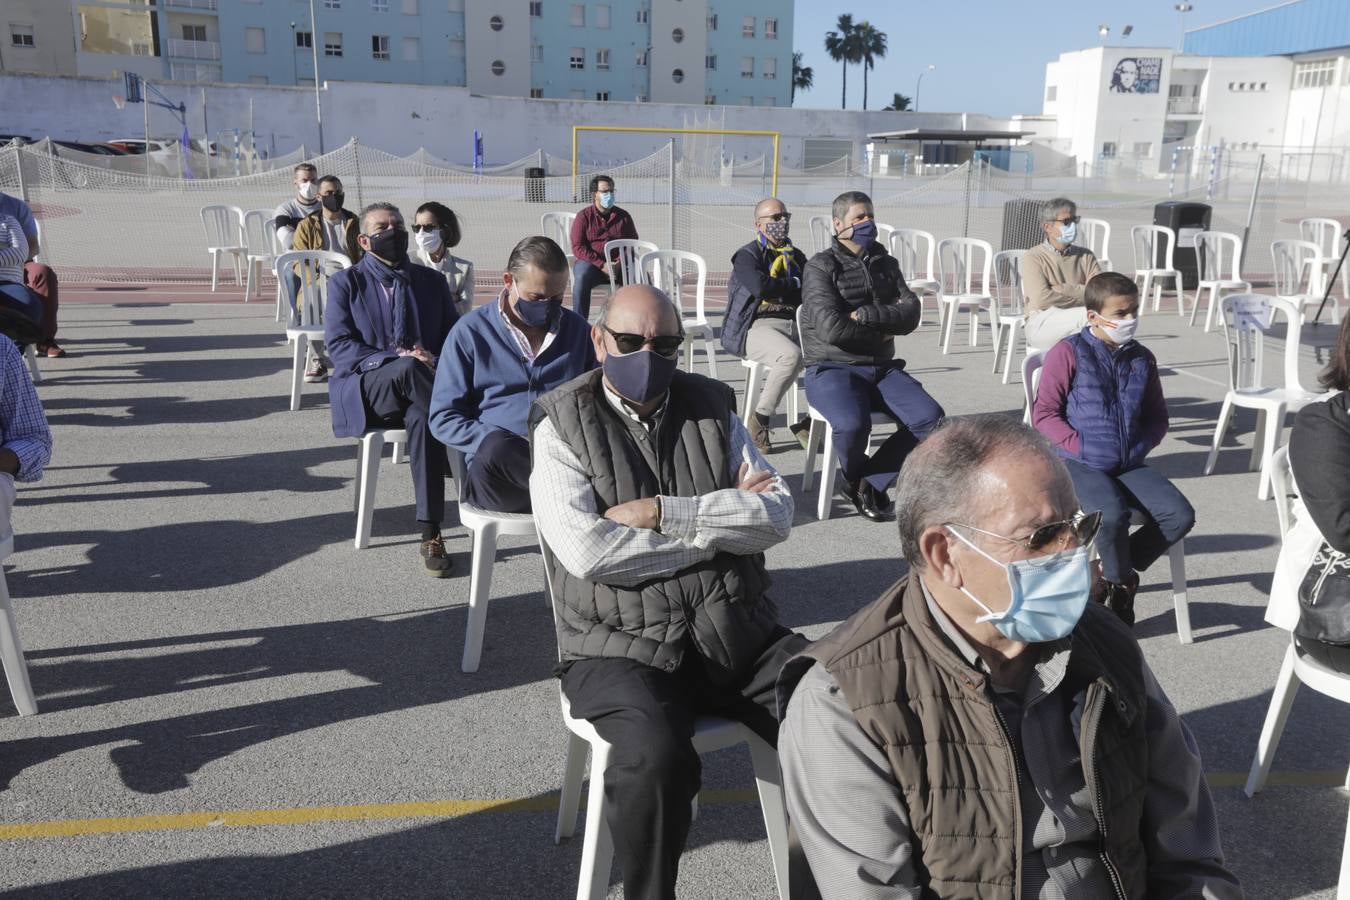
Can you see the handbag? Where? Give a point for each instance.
(1324, 598)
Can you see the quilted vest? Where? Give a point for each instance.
(934, 717)
(1105, 402)
(718, 607)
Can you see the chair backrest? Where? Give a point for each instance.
(1031, 380)
(313, 267)
(1325, 233)
(1217, 255)
(959, 260)
(668, 270)
(884, 233)
(222, 224)
(1247, 322)
(822, 230)
(557, 226)
(259, 234)
(1095, 234)
(628, 251)
(915, 251)
(1282, 483)
(38, 256)
(1007, 292)
(1297, 268)
(1145, 241)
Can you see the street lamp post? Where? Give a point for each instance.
(314, 45)
(918, 84)
(1182, 8)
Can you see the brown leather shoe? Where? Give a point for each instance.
(760, 435)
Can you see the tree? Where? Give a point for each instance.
(803, 78)
(871, 47)
(843, 47)
(899, 103)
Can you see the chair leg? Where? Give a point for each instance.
(828, 470)
(942, 319)
(813, 440)
(11, 655)
(1281, 700)
(215, 268)
(751, 392)
(1176, 555)
(1181, 296)
(480, 587)
(975, 326)
(949, 321)
(769, 781)
(367, 479)
(597, 849)
(998, 339)
(250, 280)
(298, 369)
(1269, 444)
(688, 349)
(1012, 345)
(30, 356)
(1225, 414)
(793, 409)
(574, 773)
(712, 358)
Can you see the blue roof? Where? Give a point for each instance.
(1300, 26)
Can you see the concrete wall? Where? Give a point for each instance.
(53, 50)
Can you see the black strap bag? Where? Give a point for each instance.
(1324, 598)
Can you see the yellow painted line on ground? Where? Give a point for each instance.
(453, 809)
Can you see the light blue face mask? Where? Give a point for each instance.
(1068, 232)
(607, 199)
(1047, 594)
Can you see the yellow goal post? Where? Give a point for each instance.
(577, 129)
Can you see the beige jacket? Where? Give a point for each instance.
(1054, 279)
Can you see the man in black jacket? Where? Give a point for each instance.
(762, 299)
(854, 302)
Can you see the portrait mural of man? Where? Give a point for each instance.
(1137, 75)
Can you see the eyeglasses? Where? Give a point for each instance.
(667, 345)
(1082, 528)
(421, 228)
(1072, 220)
(779, 217)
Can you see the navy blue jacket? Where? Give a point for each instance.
(749, 284)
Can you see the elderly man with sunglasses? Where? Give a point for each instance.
(981, 730)
(656, 509)
(1054, 275)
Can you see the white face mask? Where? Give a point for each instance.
(1118, 331)
(308, 190)
(429, 241)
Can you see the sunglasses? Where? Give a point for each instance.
(421, 228)
(1072, 220)
(779, 217)
(667, 345)
(1082, 528)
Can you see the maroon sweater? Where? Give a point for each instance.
(592, 228)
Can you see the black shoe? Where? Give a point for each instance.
(1121, 602)
(864, 500)
(801, 431)
(434, 557)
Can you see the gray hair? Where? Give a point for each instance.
(939, 481)
(378, 205)
(846, 201)
(1050, 209)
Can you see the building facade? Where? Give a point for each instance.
(736, 52)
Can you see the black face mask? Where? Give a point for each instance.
(390, 245)
(333, 202)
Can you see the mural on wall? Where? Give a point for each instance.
(1137, 75)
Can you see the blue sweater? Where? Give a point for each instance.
(483, 382)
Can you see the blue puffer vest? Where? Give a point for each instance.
(1105, 402)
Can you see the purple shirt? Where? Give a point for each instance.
(592, 229)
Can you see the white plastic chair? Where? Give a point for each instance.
(884, 233)
(1146, 241)
(916, 251)
(667, 270)
(1298, 276)
(1217, 255)
(1282, 483)
(313, 268)
(259, 239)
(754, 376)
(1005, 313)
(1245, 335)
(30, 355)
(822, 232)
(629, 251)
(710, 733)
(222, 225)
(370, 448)
(1031, 380)
(959, 261)
(1095, 234)
(11, 646)
(1326, 234)
(557, 226)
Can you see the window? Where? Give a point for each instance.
(536, 53)
(410, 7)
(710, 61)
(257, 79)
(379, 5)
(602, 60)
(602, 95)
(332, 43)
(766, 101)
(379, 46)
(712, 21)
(536, 93)
(140, 48)
(536, 9)
(457, 46)
(579, 15)
(255, 40)
(641, 60)
(602, 16)
(641, 98)
(677, 35)
(1109, 150)
(709, 99)
(1347, 76)
(332, 4)
(677, 76)
(748, 27)
(747, 67)
(577, 58)
(643, 15)
(21, 35)
(770, 68)
(770, 29)
(1051, 92)
(304, 40)
(747, 101)
(194, 32)
(577, 94)
(498, 67)
(412, 49)
(1143, 149)
(1317, 73)
(496, 23)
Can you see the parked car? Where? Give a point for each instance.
(94, 149)
(21, 139)
(163, 153)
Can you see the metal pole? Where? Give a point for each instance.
(965, 225)
(671, 208)
(314, 46)
(1251, 209)
(206, 133)
(145, 102)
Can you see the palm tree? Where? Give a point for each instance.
(803, 78)
(843, 47)
(899, 103)
(871, 47)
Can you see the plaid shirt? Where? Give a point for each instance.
(23, 425)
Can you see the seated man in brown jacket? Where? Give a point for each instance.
(981, 730)
(1054, 274)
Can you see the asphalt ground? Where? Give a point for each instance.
(236, 703)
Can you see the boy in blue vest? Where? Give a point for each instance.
(1100, 402)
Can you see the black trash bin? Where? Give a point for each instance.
(1186, 220)
(534, 184)
(1021, 225)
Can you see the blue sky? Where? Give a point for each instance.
(990, 55)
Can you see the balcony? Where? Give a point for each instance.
(195, 72)
(1183, 106)
(192, 4)
(194, 49)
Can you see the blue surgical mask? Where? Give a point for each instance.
(864, 232)
(1047, 594)
(537, 313)
(1068, 232)
(641, 376)
(606, 199)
